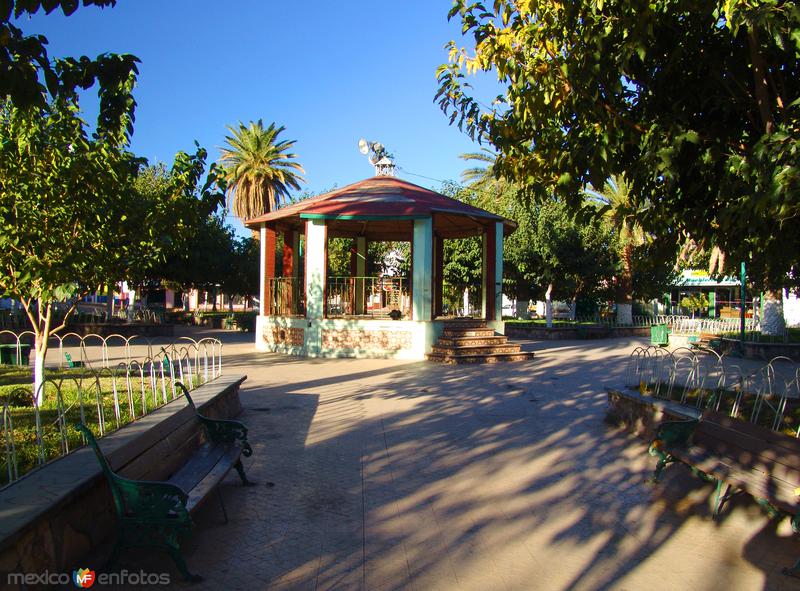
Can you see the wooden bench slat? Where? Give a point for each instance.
(204, 487)
(197, 467)
(757, 431)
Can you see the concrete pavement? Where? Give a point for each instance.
(392, 475)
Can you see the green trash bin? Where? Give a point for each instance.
(8, 354)
(659, 335)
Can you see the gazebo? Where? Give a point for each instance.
(305, 312)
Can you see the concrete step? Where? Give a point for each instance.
(452, 333)
(459, 324)
(497, 340)
(496, 358)
(474, 350)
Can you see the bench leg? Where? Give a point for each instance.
(222, 504)
(175, 551)
(721, 498)
(240, 470)
(664, 459)
(793, 571)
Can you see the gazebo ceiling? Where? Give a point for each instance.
(383, 208)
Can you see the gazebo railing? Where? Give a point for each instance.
(285, 296)
(378, 297)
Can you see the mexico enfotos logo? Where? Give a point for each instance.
(85, 578)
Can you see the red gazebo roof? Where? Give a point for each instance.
(384, 207)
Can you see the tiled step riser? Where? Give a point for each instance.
(462, 360)
(464, 325)
(457, 352)
(467, 333)
(473, 342)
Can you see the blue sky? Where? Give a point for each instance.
(330, 72)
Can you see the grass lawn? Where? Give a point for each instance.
(70, 396)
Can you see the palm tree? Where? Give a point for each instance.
(258, 168)
(622, 213)
(481, 176)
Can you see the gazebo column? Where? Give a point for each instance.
(358, 269)
(316, 267)
(437, 277)
(291, 251)
(267, 244)
(493, 272)
(422, 270)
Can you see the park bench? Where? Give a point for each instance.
(738, 457)
(705, 340)
(153, 514)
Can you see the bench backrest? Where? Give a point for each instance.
(111, 477)
(752, 446)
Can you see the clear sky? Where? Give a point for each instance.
(330, 72)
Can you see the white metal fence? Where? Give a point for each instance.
(104, 393)
(768, 395)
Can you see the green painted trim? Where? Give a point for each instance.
(364, 218)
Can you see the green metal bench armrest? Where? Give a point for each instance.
(221, 430)
(227, 431)
(675, 433)
(152, 502)
(141, 500)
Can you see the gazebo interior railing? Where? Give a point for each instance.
(375, 297)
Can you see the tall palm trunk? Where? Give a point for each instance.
(625, 287)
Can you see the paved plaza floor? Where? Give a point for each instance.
(393, 475)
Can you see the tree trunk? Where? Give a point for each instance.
(548, 305)
(41, 329)
(131, 305)
(522, 306)
(110, 303)
(230, 303)
(466, 302)
(40, 353)
(773, 322)
(625, 288)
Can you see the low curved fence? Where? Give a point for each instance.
(768, 395)
(104, 391)
(698, 326)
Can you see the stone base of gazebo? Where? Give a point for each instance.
(347, 337)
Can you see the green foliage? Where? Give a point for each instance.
(698, 102)
(697, 302)
(339, 256)
(27, 74)
(213, 256)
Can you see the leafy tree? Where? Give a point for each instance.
(71, 216)
(695, 303)
(258, 168)
(462, 271)
(206, 260)
(243, 278)
(27, 74)
(697, 102)
(551, 254)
